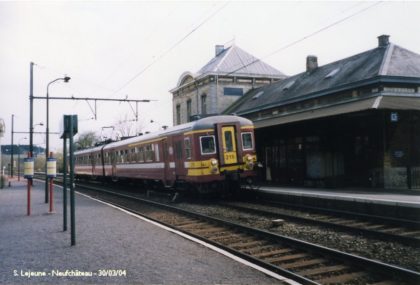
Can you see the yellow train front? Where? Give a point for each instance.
(219, 152)
(211, 154)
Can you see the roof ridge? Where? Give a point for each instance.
(383, 70)
(229, 50)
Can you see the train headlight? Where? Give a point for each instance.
(213, 164)
(249, 162)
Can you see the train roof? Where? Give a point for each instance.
(201, 124)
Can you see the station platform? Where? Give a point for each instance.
(398, 204)
(112, 247)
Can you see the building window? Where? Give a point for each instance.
(178, 114)
(204, 104)
(230, 91)
(188, 110)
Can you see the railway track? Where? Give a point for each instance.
(301, 261)
(395, 230)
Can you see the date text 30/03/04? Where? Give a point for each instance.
(71, 273)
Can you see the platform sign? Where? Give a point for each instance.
(51, 167)
(28, 168)
(68, 121)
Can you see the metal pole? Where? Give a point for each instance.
(47, 147)
(18, 162)
(64, 183)
(29, 187)
(31, 108)
(72, 206)
(51, 190)
(29, 196)
(51, 195)
(11, 161)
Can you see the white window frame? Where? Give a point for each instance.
(201, 145)
(252, 141)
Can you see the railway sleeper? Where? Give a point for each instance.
(391, 230)
(244, 245)
(219, 235)
(194, 225)
(265, 247)
(267, 254)
(412, 233)
(297, 265)
(233, 237)
(183, 222)
(290, 257)
(323, 270)
(342, 278)
(385, 283)
(374, 227)
(209, 230)
(358, 224)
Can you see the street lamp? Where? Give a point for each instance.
(47, 149)
(19, 157)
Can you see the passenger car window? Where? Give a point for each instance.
(207, 144)
(187, 145)
(247, 141)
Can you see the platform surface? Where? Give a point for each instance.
(108, 241)
(403, 199)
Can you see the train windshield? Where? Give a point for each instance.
(247, 141)
(208, 145)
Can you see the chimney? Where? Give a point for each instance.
(311, 62)
(383, 40)
(219, 49)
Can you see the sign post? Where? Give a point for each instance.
(28, 173)
(69, 130)
(51, 173)
(64, 184)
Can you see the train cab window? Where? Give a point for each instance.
(229, 141)
(208, 145)
(247, 141)
(187, 145)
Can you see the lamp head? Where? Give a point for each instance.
(67, 79)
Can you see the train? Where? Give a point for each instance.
(206, 155)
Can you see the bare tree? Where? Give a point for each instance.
(87, 139)
(126, 128)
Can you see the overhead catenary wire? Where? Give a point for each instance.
(171, 48)
(305, 37)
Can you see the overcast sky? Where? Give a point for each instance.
(139, 49)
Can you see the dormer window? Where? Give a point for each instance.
(256, 96)
(332, 73)
(288, 85)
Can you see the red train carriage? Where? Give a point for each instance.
(202, 154)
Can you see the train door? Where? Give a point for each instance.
(166, 159)
(229, 147)
(113, 165)
(178, 143)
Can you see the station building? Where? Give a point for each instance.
(351, 123)
(230, 74)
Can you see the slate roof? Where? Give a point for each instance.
(234, 60)
(389, 61)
